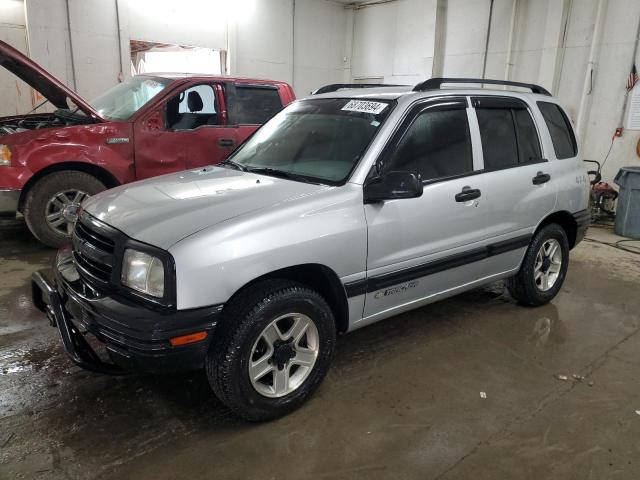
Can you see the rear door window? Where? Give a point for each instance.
(564, 142)
(509, 135)
(253, 105)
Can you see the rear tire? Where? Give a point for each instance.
(248, 355)
(543, 269)
(46, 200)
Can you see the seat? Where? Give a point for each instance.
(189, 120)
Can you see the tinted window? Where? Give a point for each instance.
(254, 105)
(527, 136)
(498, 134)
(564, 143)
(436, 145)
(320, 139)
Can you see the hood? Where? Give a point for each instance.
(163, 210)
(38, 78)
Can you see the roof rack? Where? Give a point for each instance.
(436, 84)
(339, 86)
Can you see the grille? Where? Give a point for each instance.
(93, 252)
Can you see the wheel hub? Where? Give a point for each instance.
(283, 351)
(546, 263)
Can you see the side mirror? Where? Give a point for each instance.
(392, 185)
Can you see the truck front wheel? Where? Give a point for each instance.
(272, 349)
(47, 200)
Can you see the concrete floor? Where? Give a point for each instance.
(402, 400)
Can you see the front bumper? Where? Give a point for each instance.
(134, 336)
(9, 201)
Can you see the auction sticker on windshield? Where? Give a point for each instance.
(365, 106)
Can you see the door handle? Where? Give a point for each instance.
(226, 142)
(467, 194)
(541, 178)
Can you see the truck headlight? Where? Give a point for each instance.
(143, 272)
(5, 156)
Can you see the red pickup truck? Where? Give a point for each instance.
(146, 126)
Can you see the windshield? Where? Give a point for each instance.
(319, 139)
(126, 98)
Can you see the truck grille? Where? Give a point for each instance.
(94, 251)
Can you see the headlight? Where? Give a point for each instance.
(143, 272)
(5, 156)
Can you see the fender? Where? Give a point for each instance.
(102, 145)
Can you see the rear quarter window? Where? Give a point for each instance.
(562, 137)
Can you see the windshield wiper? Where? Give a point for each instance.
(279, 173)
(235, 165)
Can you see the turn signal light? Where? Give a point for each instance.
(5, 155)
(185, 339)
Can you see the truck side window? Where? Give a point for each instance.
(193, 108)
(564, 142)
(254, 105)
(436, 145)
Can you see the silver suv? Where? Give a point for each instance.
(346, 208)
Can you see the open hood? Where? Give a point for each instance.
(38, 78)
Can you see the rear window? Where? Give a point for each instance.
(254, 105)
(564, 142)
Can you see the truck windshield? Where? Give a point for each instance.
(126, 98)
(318, 140)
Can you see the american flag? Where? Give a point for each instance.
(633, 78)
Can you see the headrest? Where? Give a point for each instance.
(194, 102)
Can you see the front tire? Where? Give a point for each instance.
(46, 201)
(272, 349)
(543, 269)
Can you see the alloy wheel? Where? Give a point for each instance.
(548, 265)
(58, 205)
(284, 354)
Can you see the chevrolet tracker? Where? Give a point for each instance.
(346, 208)
(148, 125)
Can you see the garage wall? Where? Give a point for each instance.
(259, 36)
(544, 51)
(394, 41)
(15, 95)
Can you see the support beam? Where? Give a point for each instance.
(587, 85)
(439, 41)
(511, 41)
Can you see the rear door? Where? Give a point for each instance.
(250, 105)
(520, 187)
(420, 247)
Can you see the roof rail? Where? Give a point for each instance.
(334, 87)
(436, 84)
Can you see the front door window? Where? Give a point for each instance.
(193, 108)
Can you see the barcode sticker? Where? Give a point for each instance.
(364, 106)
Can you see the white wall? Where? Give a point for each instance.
(15, 95)
(394, 41)
(537, 57)
(259, 35)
